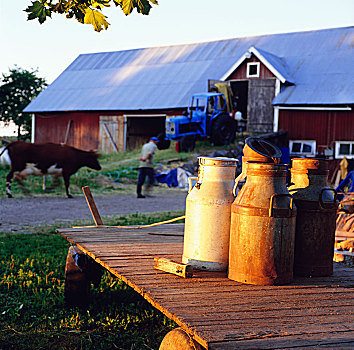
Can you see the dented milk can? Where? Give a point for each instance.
(208, 211)
(262, 228)
(316, 218)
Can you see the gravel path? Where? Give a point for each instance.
(19, 213)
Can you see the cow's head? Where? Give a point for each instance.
(92, 160)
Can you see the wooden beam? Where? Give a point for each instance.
(91, 203)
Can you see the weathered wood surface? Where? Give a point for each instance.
(177, 268)
(217, 312)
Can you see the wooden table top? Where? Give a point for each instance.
(220, 313)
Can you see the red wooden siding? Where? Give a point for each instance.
(83, 132)
(325, 127)
(84, 129)
(241, 71)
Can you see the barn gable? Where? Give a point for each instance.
(276, 65)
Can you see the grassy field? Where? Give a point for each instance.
(32, 310)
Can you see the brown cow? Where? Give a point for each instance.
(47, 158)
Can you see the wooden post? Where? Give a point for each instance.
(77, 285)
(91, 203)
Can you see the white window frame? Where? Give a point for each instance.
(258, 65)
(351, 150)
(301, 153)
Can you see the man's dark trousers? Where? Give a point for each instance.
(143, 172)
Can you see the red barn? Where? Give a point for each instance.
(299, 82)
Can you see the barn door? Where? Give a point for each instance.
(111, 136)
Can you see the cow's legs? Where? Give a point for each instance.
(9, 179)
(67, 183)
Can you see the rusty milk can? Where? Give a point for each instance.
(208, 212)
(257, 150)
(262, 231)
(316, 218)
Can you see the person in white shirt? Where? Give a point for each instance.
(146, 166)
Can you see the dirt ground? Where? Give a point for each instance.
(17, 214)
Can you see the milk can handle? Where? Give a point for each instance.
(322, 204)
(190, 183)
(239, 179)
(279, 195)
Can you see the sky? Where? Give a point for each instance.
(52, 46)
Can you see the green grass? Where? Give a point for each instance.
(32, 310)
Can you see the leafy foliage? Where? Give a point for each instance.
(18, 88)
(85, 11)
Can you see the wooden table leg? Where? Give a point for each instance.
(178, 339)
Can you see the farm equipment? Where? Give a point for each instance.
(205, 117)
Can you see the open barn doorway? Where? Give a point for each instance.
(240, 94)
(141, 127)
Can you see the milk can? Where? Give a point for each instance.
(257, 150)
(316, 218)
(208, 211)
(262, 228)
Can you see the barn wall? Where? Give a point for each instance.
(325, 127)
(82, 134)
(86, 129)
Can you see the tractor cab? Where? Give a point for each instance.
(205, 117)
(207, 103)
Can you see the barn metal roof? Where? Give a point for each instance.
(317, 65)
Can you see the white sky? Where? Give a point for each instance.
(52, 46)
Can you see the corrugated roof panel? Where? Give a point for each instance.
(320, 63)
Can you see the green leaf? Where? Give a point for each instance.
(97, 19)
(38, 10)
(143, 6)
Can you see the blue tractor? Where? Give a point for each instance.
(205, 117)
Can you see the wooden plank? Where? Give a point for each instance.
(339, 340)
(91, 203)
(213, 309)
(269, 331)
(171, 266)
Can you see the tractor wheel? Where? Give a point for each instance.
(187, 143)
(163, 143)
(223, 130)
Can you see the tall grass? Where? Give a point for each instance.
(32, 310)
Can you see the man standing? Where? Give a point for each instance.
(146, 166)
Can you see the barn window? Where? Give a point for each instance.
(253, 70)
(345, 149)
(302, 148)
